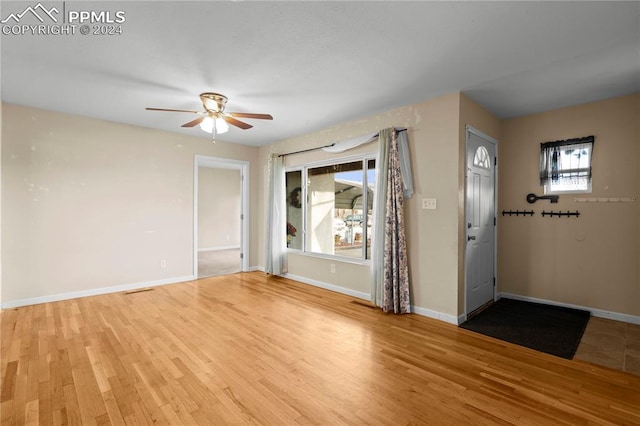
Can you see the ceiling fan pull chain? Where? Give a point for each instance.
(213, 132)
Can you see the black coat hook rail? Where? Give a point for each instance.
(560, 214)
(517, 213)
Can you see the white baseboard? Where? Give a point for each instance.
(327, 286)
(451, 319)
(219, 248)
(632, 319)
(430, 313)
(93, 292)
(134, 286)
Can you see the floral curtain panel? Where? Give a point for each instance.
(390, 266)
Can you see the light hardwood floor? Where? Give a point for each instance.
(249, 349)
(219, 262)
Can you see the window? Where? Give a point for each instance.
(481, 158)
(336, 211)
(293, 183)
(565, 166)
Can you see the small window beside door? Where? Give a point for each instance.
(565, 166)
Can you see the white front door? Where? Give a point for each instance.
(480, 220)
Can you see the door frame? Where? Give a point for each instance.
(223, 163)
(470, 129)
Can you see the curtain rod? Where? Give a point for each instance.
(306, 150)
(404, 129)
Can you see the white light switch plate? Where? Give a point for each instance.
(429, 203)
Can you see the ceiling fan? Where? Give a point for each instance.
(214, 119)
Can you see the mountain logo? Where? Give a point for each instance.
(39, 11)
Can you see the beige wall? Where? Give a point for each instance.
(219, 208)
(88, 204)
(593, 260)
(0, 204)
(434, 139)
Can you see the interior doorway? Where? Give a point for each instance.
(220, 220)
(480, 253)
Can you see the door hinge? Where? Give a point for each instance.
(494, 221)
(242, 257)
(494, 281)
(241, 216)
(495, 161)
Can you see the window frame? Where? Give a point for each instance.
(484, 161)
(303, 197)
(565, 144)
(364, 158)
(546, 189)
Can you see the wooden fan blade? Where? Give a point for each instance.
(251, 115)
(236, 123)
(194, 122)
(173, 110)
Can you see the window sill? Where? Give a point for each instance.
(586, 191)
(334, 258)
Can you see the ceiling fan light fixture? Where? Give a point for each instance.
(214, 119)
(208, 124)
(221, 126)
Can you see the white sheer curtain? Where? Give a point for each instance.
(390, 267)
(276, 244)
(350, 144)
(405, 164)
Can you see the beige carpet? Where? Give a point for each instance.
(219, 262)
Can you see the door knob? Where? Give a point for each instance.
(471, 237)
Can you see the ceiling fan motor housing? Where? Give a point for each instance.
(213, 102)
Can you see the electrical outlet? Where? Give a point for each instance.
(333, 268)
(163, 263)
(429, 203)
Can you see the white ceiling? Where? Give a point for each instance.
(316, 64)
